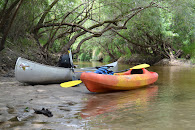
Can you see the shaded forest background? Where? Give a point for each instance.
(42, 30)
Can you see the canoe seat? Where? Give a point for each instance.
(64, 61)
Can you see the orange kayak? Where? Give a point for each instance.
(119, 81)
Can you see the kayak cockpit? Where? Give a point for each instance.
(134, 71)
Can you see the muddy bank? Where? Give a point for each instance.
(139, 59)
(175, 62)
(17, 101)
(9, 56)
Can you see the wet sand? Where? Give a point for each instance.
(17, 101)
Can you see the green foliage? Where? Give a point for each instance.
(85, 56)
(183, 22)
(56, 46)
(95, 54)
(174, 25)
(107, 58)
(189, 49)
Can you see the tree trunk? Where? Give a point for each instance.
(108, 51)
(3, 40)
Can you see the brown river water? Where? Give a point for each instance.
(167, 104)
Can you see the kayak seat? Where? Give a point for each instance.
(137, 71)
(134, 71)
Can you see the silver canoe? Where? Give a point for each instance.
(27, 71)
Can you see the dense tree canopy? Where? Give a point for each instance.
(114, 28)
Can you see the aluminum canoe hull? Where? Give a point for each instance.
(30, 72)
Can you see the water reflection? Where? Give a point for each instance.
(103, 103)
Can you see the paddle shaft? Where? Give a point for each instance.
(72, 65)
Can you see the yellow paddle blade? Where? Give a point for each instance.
(70, 83)
(140, 66)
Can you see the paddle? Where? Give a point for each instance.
(70, 83)
(76, 82)
(135, 67)
(72, 65)
(140, 66)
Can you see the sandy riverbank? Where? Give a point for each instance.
(64, 103)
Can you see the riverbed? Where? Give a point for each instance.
(167, 104)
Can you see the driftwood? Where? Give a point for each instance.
(179, 53)
(188, 56)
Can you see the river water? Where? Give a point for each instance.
(167, 104)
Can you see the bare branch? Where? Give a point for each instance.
(47, 11)
(81, 42)
(132, 41)
(139, 10)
